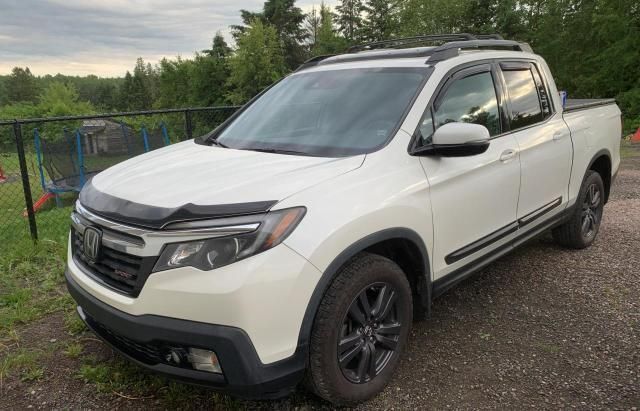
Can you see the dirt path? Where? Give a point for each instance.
(543, 327)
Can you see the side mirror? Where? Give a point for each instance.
(459, 140)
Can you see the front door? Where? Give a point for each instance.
(475, 198)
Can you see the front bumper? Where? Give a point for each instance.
(140, 338)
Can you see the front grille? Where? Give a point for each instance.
(123, 272)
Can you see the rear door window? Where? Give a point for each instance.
(545, 100)
(525, 107)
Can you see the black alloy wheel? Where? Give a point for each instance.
(580, 228)
(360, 330)
(370, 333)
(591, 211)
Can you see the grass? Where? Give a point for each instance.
(74, 349)
(32, 287)
(127, 380)
(26, 362)
(628, 149)
(31, 278)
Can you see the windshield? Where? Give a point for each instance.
(328, 113)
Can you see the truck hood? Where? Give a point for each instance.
(189, 180)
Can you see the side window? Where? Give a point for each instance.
(542, 93)
(469, 99)
(523, 95)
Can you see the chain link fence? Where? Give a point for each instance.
(45, 162)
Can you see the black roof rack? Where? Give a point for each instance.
(488, 37)
(402, 42)
(397, 48)
(452, 49)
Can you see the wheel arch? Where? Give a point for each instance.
(601, 163)
(383, 243)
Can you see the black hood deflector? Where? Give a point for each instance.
(132, 213)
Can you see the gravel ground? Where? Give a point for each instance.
(543, 327)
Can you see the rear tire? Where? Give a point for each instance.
(360, 331)
(582, 227)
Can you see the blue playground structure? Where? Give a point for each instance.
(72, 160)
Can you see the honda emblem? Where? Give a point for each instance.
(91, 243)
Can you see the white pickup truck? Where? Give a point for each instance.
(301, 238)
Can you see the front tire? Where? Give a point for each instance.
(582, 227)
(360, 330)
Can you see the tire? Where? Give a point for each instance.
(366, 279)
(581, 228)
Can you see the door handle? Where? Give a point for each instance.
(558, 135)
(507, 155)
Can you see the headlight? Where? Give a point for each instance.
(220, 251)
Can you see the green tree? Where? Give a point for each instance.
(21, 86)
(382, 19)
(141, 93)
(257, 63)
(174, 85)
(126, 92)
(349, 19)
(327, 39)
(200, 81)
(287, 19)
(432, 16)
(312, 24)
(10, 112)
(60, 99)
(219, 47)
(4, 99)
(209, 76)
(106, 96)
(505, 17)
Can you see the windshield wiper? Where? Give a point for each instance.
(215, 142)
(277, 151)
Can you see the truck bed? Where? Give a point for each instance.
(574, 104)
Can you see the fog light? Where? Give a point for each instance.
(204, 360)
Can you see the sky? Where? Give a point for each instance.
(104, 37)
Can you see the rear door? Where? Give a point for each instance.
(543, 138)
(474, 199)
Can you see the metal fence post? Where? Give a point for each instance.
(28, 200)
(188, 124)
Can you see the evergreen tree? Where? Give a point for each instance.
(21, 86)
(420, 17)
(349, 19)
(141, 97)
(209, 76)
(312, 25)
(126, 93)
(219, 47)
(106, 96)
(257, 63)
(327, 39)
(381, 22)
(287, 19)
(174, 83)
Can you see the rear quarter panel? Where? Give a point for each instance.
(593, 131)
